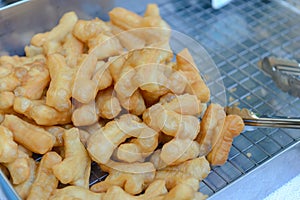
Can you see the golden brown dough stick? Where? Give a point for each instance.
(180, 192)
(84, 137)
(211, 128)
(73, 49)
(152, 10)
(133, 177)
(94, 127)
(24, 188)
(124, 19)
(127, 38)
(129, 96)
(85, 114)
(171, 123)
(31, 50)
(41, 113)
(35, 81)
(59, 32)
(21, 74)
(156, 160)
(102, 77)
(150, 77)
(185, 104)
(8, 80)
(128, 152)
(115, 66)
(19, 61)
(195, 85)
(116, 192)
(75, 168)
(102, 144)
(87, 29)
(152, 98)
(157, 53)
(138, 148)
(155, 28)
(60, 88)
(45, 182)
(189, 172)
(30, 136)
(6, 100)
(177, 82)
(192, 168)
(19, 169)
(8, 148)
(185, 61)
(232, 127)
(104, 46)
(84, 88)
(75, 192)
(57, 132)
(154, 190)
(108, 106)
(179, 150)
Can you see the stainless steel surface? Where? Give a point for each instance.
(267, 178)
(237, 37)
(6, 189)
(21, 20)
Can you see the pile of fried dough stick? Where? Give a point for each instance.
(109, 92)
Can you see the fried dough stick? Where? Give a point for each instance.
(45, 182)
(211, 128)
(75, 168)
(133, 177)
(196, 85)
(60, 88)
(24, 188)
(30, 136)
(232, 127)
(8, 148)
(40, 112)
(102, 144)
(19, 169)
(75, 192)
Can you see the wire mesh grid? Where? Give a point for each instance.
(237, 37)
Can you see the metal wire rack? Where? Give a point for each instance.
(237, 37)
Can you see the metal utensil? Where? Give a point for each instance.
(252, 119)
(7, 189)
(285, 73)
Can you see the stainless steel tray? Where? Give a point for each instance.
(236, 36)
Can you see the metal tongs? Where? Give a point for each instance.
(252, 119)
(285, 73)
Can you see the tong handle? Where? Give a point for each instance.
(252, 119)
(281, 122)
